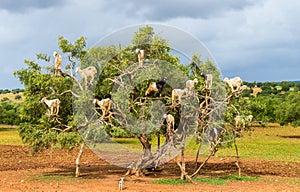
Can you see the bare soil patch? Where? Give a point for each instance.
(54, 171)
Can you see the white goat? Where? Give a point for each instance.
(170, 120)
(234, 82)
(208, 79)
(52, 104)
(152, 87)
(177, 94)
(104, 104)
(58, 61)
(86, 73)
(141, 56)
(121, 183)
(190, 84)
(242, 121)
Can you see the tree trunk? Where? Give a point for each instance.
(146, 145)
(182, 164)
(77, 172)
(158, 140)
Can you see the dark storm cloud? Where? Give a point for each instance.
(167, 9)
(25, 5)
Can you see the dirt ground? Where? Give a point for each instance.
(54, 171)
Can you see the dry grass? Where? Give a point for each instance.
(12, 96)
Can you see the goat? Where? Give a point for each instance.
(208, 79)
(52, 104)
(121, 183)
(242, 121)
(160, 84)
(190, 84)
(170, 120)
(86, 73)
(171, 123)
(104, 104)
(141, 56)
(57, 62)
(234, 82)
(157, 87)
(152, 87)
(177, 94)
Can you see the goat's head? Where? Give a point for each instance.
(55, 54)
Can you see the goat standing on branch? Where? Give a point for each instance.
(105, 105)
(190, 84)
(52, 104)
(234, 82)
(208, 79)
(171, 123)
(152, 87)
(156, 87)
(86, 73)
(177, 94)
(57, 62)
(141, 56)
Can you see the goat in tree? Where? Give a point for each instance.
(141, 56)
(242, 121)
(152, 87)
(171, 123)
(52, 104)
(234, 82)
(208, 79)
(104, 104)
(190, 84)
(177, 94)
(86, 73)
(156, 87)
(57, 62)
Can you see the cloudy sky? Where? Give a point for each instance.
(258, 40)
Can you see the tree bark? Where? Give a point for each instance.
(146, 145)
(77, 172)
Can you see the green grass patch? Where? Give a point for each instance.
(272, 144)
(170, 181)
(9, 136)
(213, 181)
(241, 178)
(222, 180)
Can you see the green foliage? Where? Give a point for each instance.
(18, 97)
(9, 112)
(37, 128)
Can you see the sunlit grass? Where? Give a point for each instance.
(211, 180)
(273, 144)
(9, 136)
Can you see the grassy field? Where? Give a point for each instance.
(11, 96)
(9, 136)
(274, 143)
